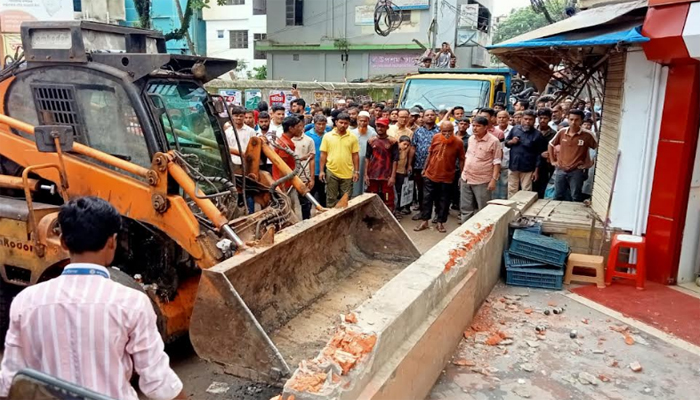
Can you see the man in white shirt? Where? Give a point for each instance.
(305, 150)
(82, 326)
(277, 116)
(245, 133)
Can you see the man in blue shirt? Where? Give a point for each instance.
(526, 144)
(420, 144)
(319, 129)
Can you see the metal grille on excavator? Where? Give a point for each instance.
(56, 104)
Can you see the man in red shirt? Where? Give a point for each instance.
(292, 126)
(382, 157)
(445, 150)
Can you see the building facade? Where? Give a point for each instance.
(165, 17)
(232, 30)
(335, 40)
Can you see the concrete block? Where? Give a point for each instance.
(418, 317)
(524, 200)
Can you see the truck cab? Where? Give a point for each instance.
(445, 88)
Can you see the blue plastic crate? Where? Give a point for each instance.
(535, 277)
(537, 228)
(513, 261)
(540, 248)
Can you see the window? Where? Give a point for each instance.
(406, 16)
(196, 134)
(294, 11)
(220, 34)
(259, 7)
(234, 2)
(238, 39)
(77, 6)
(92, 104)
(259, 55)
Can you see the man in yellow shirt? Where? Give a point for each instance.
(340, 160)
(401, 127)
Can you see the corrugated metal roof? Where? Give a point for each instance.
(584, 19)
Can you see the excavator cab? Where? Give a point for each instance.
(147, 137)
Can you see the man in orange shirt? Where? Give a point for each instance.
(445, 150)
(481, 169)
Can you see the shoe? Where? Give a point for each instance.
(435, 220)
(415, 207)
(416, 217)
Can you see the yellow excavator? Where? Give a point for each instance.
(101, 110)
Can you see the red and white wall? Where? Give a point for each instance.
(674, 29)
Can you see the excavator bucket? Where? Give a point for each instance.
(266, 309)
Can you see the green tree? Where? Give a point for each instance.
(523, 20)
(259, 73)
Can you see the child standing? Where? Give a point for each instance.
(401, 174)
(382, 158)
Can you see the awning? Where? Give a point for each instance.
(587, 34)
(574, 39)
(590, 18)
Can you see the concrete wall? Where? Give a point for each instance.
(220, 20)
(329, 67)
(329, 19)
(419, 316)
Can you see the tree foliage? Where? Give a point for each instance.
(523, 20)
(259, 73)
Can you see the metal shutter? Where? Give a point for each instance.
(609, 133)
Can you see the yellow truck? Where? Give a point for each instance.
(445, 88)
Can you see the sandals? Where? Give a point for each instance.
(421, 227)
(441, 228)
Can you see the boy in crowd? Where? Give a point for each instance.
(403, 170)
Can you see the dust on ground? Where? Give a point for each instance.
(512, 350)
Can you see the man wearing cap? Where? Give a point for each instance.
(363, 132)
(414, 120)
(340, 105)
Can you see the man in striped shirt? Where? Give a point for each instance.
(82, 326)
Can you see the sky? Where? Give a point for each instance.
(502, 7)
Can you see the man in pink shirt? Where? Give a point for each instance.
(83, 327)
(482, 169)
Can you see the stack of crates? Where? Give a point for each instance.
(535, 260)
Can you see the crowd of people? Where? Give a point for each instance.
(427, 161)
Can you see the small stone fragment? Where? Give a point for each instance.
(218, 388)
(462, 362)
(573, 334)
(629, 340)
(585, 321)
(540, 328)
(528, 311)
(527, 367)
(647, 390)
(351, 318)
(481, 371)
(585, 378)
(481, 338)
(558, 310)
(603, 378)
(523, 392)
(521, 381)
(506, 342)
(599, 351)
(532, 344)
(546, 312)
(636, 366)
